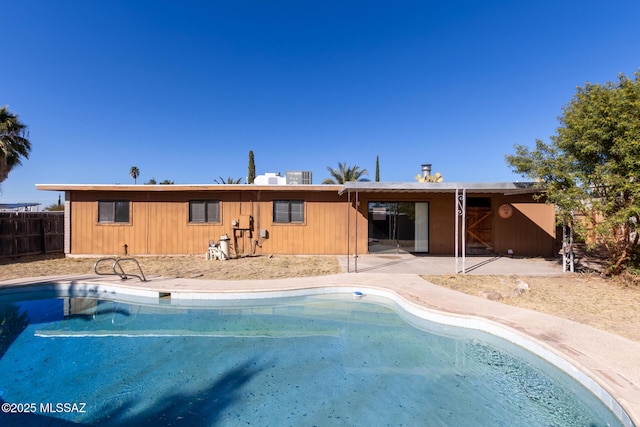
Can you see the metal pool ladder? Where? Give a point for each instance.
(117, 268)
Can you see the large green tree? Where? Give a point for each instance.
(345, 174)
(591, 165)
(14, 142)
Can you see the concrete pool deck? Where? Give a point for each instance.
(611, 361)
(433, 264)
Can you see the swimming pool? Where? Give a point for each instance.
(323, 359)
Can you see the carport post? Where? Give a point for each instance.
(348, 229)
(355, 256)
(357, 208)
(460, 216)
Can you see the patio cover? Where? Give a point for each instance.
(458, 189)
(442, 187)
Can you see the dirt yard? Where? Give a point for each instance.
(194, 267)
(607, 304)
(610, 305)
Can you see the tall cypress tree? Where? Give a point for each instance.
(377, 169)
(252, 169)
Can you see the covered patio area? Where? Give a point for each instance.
(447, 228)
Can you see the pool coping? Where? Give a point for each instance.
(598, 359)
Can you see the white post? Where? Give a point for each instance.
(348, 230)
(357, 208)
(456, 234)
(67, 223)
(564, 247)
(464, 231)
(571, 246)
(461, 216)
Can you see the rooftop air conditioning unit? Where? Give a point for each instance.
(299, 177)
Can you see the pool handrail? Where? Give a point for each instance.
(116, 264)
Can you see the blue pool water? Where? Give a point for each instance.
(316, 360)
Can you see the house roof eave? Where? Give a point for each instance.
(184, 187)
(507, 188)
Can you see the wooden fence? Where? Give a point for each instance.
(31, 233)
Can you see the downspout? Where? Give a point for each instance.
(257, 242)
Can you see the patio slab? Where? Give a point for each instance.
(427, 264)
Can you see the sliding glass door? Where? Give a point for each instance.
(398, 227)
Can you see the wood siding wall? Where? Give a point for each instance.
(160, 223)
(530, 231)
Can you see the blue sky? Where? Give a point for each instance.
(183, 90)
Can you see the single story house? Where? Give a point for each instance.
(354, 218)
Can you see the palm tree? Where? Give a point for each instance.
(14, 142)
(228, 181)
(135, 173)
(345, 174)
